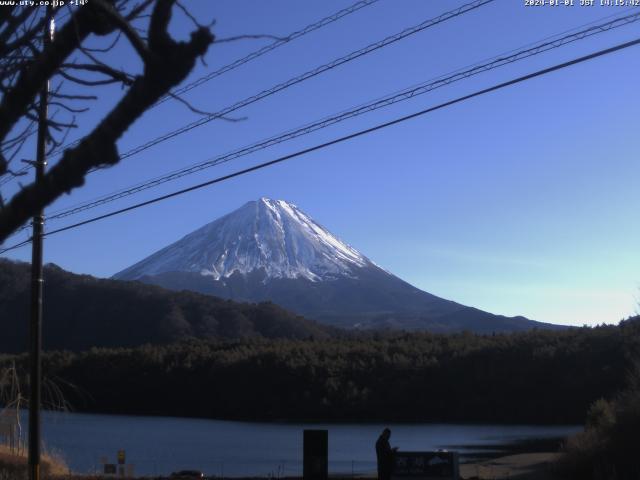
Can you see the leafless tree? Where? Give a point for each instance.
(11, 402)
(77, 61)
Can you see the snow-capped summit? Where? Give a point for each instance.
(274, 236)
(269, 250)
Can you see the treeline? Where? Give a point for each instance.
(83, 311)
(530, 377)
(608, 447)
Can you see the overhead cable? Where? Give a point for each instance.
(299, 153)
(360, 110)
(304, 76)
(252, 56)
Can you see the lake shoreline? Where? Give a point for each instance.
(530, 466)
(483, 452)
(161, 445)
(517, 463)
(311, 421)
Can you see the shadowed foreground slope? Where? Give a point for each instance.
(83, 312)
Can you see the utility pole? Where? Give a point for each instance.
(35, 324)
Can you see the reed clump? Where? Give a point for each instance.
(13, 465)
(609, 448)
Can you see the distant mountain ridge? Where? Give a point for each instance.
(269, 250)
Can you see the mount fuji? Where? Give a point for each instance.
(270, 250)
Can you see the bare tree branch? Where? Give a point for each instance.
(68, 108)
(138, 9)
(167, 64)
(125, 27)
(202, 112)
(107, 48)
(13, 23)
(87, 83)
(73, 97)
(116, 75)
(193, 19)
(39, 71)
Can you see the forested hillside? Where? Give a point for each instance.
(538, 376)
(82, 312)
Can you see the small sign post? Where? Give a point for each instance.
(315, 465)
(120, 469)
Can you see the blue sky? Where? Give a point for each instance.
(520, 202)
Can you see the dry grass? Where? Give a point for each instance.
(523, 466)
(608, 449)
(14, 466)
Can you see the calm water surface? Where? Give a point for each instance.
(160, 445)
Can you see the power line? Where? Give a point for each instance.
(310, 74)
(8, 177)
(351, 136)
(227, 68)
(16, 246)
(403, 95)
(252, 56)
(300, 78)
(509, 57)
(267, 48)
(305, 76)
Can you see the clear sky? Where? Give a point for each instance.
(521, 202)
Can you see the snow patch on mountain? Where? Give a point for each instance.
(273, 236)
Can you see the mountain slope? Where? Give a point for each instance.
(83, 311)
(270, 235)
(271, 250)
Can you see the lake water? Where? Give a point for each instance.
(160, 445)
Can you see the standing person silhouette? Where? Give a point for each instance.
(385, 455)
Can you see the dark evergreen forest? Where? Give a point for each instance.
(530, 377)
(82, 311)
